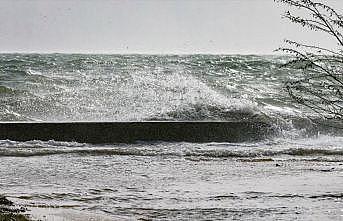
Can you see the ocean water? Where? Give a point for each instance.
(295, 174)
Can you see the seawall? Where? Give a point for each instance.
(129, 132)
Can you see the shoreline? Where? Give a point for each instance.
(11, 212)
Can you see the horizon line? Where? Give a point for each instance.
(137, 53)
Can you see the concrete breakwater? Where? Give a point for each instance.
(129, 132)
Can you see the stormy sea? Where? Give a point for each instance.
(295, 173)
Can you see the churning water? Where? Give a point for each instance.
(296, 174)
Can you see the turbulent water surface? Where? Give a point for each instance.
(295, 174)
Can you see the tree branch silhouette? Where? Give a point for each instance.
(320, 87)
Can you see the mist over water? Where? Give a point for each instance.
(296, 172)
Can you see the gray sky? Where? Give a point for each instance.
(147, 26)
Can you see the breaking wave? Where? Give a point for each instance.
(60, 87)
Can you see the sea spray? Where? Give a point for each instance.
(58, 87)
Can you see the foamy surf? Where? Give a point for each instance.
(315, 147)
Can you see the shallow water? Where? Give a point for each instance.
(283, 179)
(296, 174)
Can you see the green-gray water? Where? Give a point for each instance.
(296, 174)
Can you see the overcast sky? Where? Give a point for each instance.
(147, 26)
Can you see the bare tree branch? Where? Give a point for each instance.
(320, 87)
